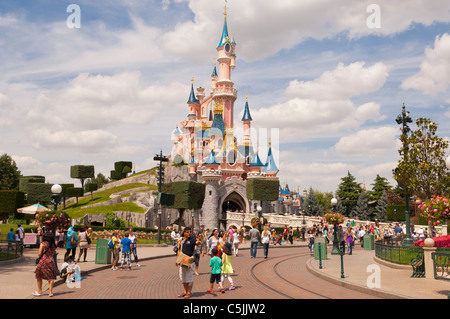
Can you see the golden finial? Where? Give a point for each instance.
(225, 14)
(192, 81)
(214, 61)
(246, 95)
(270, 142)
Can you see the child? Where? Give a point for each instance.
(280, 238)
(126, 251)
(198, 252)
(227, 269)
(215, 263)
(70, 270)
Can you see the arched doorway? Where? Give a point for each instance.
(233, 202)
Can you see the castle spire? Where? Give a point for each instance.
(225, 37)
(247, 115)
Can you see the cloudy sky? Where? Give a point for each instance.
(329, 77)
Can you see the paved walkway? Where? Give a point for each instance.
(18, 280)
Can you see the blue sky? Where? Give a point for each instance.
(115, 88)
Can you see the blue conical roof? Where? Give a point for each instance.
(256, 161)
(211, 158)
(225, 37)
(218, 122)
(214, 73)
(270, 163)
(247, 115)
(192, 98)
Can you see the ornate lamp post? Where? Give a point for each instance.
(335, 250)
(56, 196)
(259, 210)
(159, 227)
(403, 119)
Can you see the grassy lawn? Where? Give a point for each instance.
(75, 211)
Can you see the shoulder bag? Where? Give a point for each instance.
(184, 260)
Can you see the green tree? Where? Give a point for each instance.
(9, 173)
(100, 180)
(379, 186)
(380, 209)
(312, 204)
(362, 206)
(422, 171)
(348, 191)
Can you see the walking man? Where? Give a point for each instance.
(254, 235)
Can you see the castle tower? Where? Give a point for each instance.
(194, 104)
(246, 119)
(211, 178)
(225, 93)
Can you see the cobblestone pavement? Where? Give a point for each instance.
(282, 276)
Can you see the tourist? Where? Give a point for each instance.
(310, 237)
(21, 232)
(126, 251)
(173, 236)
(349, 239)
(387, 235)
(291, 235)
(230, 233)
(187, 246)
(216, 271)
(10, 237)
(285, 233)
(71, 245)
(213, 241)
(115, 250)
(198, 251)
(254, 235)
(297, 233)
(132, 236)
(70, 270)
(227, 268)
(46, 267)
(236, 243)
(265, 240)
(84, 245)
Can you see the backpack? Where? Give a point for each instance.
(110, 244)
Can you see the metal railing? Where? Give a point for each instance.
(397, 254)
(11, 250)
(441, 264)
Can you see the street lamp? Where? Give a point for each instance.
(56, 196)
(259, 210)
(403, 119)
(335, 250)
(159, 227)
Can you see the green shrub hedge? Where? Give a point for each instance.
(263, 189)
(188, 195)
(10, 201)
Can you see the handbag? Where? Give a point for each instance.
(73, 242)
(184, 260)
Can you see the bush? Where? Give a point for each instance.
(262, 189)
(441, 242)
(188, 195)
(10, 201)
(391, 215)
(53, 220)
(25, 180)
(39, 193)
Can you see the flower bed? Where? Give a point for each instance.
(334, 219)
(440, 242)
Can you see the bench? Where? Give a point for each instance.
(418, 266)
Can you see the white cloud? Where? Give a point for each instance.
(263, 28)
(323, 105)
(5, 111)
(434, 74)
(369, 143)
(99, 102)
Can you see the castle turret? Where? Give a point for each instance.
(270, 168)
(246, 119)
(194, 104)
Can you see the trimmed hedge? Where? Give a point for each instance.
(188, 195)
(121, 169)
(75, 192)
(39, 192)
(263, 189)
(65, 187)
(90, 187)
(10, 201)
(25, 180)
(82, 171)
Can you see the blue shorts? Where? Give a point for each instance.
(215, 277)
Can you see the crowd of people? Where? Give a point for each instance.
(191, 246)
(46, 263)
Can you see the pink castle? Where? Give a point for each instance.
(218, 154)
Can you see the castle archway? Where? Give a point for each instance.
(233, 202)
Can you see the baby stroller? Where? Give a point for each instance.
(279, 240)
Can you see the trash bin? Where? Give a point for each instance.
(369, 242)
(323, 248)
(102, 252)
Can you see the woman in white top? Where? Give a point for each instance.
(213, 241)
(132, 236)
(236, 242)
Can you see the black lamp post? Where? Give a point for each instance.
(56, 196)
(335, 250)
(403, 119)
